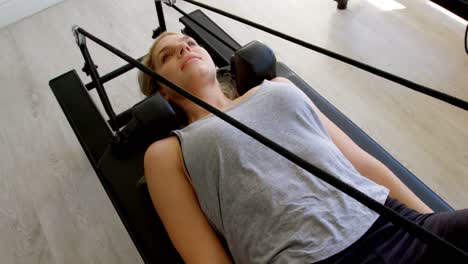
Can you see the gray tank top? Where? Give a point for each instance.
(268, 209)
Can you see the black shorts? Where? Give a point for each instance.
(387, 243)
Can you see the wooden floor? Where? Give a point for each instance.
(52, 207)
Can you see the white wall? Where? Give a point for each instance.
(14, 10)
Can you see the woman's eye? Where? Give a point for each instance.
(164, 57)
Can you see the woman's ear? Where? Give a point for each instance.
(164, 93)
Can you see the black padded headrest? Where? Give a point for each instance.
(252, 64)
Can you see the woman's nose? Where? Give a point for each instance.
(183, 47)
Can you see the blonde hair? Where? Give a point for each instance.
(148, 86)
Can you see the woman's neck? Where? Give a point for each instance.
(213, 96)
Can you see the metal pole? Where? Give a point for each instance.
(412, 85)
(111, 75)
(80, 40)
(160, 12)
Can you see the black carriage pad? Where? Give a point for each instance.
(251, 64)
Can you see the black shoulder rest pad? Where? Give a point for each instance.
(252, 64)
(152, 119)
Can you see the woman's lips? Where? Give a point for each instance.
(188, 60)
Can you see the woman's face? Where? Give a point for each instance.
(179, 59)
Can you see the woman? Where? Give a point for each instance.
(209, 181)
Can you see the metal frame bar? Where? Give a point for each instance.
(160, 12)
(115, 121)
(204, 28)
(89, 64)
(111, 75)
(127, 67)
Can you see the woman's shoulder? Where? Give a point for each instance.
(281, 80)
(266, 82)
(166, 150)
(279, 83)
(283, 87)
(169, 142)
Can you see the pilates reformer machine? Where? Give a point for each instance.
(115, 144)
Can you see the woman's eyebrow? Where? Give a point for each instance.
(184, 38)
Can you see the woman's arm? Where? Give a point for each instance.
(372, 168)
(366, 164)
(177, 205)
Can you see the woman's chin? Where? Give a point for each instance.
(200, 75)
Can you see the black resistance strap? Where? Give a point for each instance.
(412, 85)
(386, 212)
